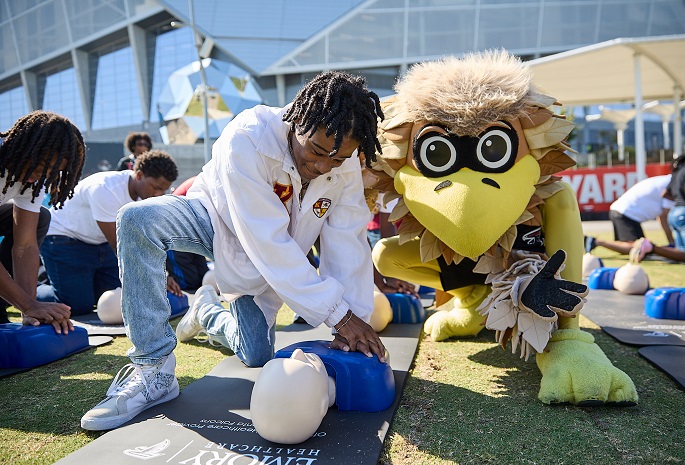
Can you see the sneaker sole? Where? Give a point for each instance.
(101, 424)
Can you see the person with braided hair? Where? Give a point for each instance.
(278, 179)
(43, 153)
(79, 250)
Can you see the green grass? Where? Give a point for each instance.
(470, 402)
(466, 401)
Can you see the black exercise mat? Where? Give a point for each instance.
(210, 419)
(95, 326)
(623, 317)
(670, 359)
(93, 341)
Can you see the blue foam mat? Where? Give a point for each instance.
(93, 341)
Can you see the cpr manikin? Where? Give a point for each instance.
(109, 307)
(590, 264)
(291, 397)
(382, 311)
(210, 278)
(631, 279)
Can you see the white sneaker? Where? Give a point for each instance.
(190, 325)
(134, 389)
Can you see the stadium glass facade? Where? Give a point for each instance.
(105, 63)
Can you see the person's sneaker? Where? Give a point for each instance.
(189, 326)
(590, 243)
(134, 389)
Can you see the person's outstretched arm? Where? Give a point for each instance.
(21, 291)
(663, 219)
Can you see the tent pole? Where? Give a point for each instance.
(640, 155)
(203, 78)
(677, 122)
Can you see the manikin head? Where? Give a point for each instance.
(631, 279)
(590, 264)
(109, 307)
(291, 397)
(382, 312)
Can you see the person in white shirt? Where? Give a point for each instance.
(43, 153)
(647, 200)
(278, 179)
(79, 251)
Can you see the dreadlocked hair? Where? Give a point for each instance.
(133, 137)
(45, 140)
(342, 104)
(155, 164)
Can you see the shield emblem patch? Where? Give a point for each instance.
(321, 206)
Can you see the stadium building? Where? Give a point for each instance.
(115, 66)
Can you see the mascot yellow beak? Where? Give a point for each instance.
(469, 210)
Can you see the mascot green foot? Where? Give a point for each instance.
(459, 317)
(575, 370)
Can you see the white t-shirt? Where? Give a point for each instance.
(96, 198)
(643, 201)
(380, 208)
(22, 201)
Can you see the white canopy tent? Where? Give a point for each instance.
(620, 119)
(666, 112)
(618, 71)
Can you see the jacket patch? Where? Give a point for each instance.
(321, 206)
(284, 192)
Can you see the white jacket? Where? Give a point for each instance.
(261, 240)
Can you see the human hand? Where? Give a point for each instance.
(392, 286)
(354, 335)
(52, 313)
(173, 287)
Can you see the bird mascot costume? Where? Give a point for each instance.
(471, 149)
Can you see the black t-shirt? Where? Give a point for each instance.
(677, 186)
(453, 276)
(126, 163)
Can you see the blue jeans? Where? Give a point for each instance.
(79, 273)
(146, 230)
(373, 235)
(238, 328)
(676, 220)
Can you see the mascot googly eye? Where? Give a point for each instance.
(497, 148)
